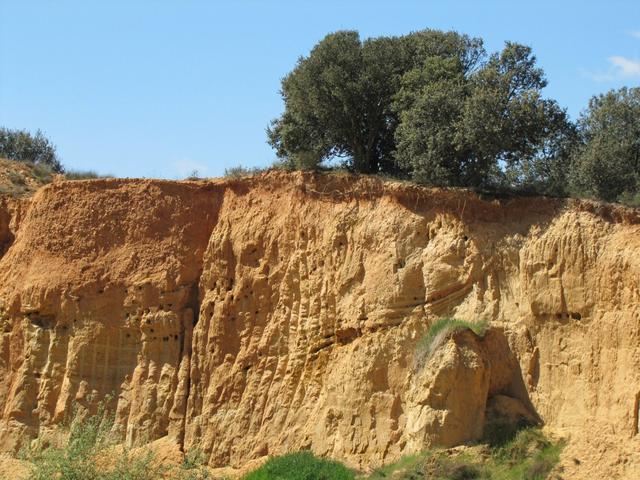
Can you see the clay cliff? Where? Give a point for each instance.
(256, 316)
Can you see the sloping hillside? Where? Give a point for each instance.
(20, 179)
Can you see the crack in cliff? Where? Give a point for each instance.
(186, 353)
(636, 415)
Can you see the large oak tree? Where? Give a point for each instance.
(431, 105)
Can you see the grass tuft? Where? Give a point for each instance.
(438, 332)
(529, 456)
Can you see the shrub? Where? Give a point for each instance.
(193, 176)
(87, 450)
(522, 444)
(22, 146)
(75, 458)
(453, 468)
(240, 171)
(193, 467)
(630, 199)
(439, 331)
(405, 464)
(43, 173)
(300, 466)
(16, 178)
(82, 175)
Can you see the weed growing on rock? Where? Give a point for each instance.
(438, 332)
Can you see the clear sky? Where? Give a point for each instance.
(160, 88)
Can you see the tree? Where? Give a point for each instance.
(608, 162)
(337, 103)
(547, 169)
(431, 106)
(481, 126)
(338, 100)
(22, 146)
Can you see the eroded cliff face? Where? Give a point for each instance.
(258, 316)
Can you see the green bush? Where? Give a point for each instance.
(22, 146)
(83, 175)
(529, 456)
(75, 459)
(84, 454)
(193, 176)
(300, 466)
(406, 463)
(16, 178)
(439, 331)
(499, 432)
(630, 199)
(432, 106)
(193, 467)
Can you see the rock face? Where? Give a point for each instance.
(258, 316)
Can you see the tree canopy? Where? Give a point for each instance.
(338, 104)
(608, 163)
(432, 106)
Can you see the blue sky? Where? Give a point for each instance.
(158, 88)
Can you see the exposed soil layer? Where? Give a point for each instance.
(263, 315)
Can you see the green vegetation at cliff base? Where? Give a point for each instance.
(529, 455)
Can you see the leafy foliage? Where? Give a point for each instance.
(431, 106)
(23, 146)
(338, 103)
(339, 99)
(43, 173)
(608, 164)
(463, 128)
(499, 432)
(300, 466)
(529, 456)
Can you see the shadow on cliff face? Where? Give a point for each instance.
(6, 235)
(472, 388)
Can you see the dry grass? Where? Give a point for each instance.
(19, 179)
